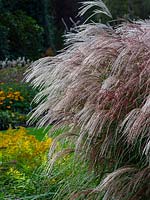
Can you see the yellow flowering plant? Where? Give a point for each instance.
(22, 149)
(21, 154)
(26, 173)
(11, 98)
(15, 104)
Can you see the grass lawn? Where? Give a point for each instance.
(39, 133)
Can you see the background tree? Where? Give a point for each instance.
(37, 11)
(131, 8)
(53, 16)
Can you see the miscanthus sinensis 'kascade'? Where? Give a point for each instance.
(99, 88)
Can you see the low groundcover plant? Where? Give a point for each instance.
(99, 87)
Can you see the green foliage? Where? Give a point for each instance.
(38, 133)
(141, 8)
(129, 8)
(117, 7)
(4, 46)
(21, 96)
(25, 36)
(31, 25)
(15, 104)
(9, 118)
(68, 182)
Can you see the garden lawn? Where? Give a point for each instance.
(39, 133)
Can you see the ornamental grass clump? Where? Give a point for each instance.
(99, 87)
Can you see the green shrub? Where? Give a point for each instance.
(135, 9)
(42, 12)
(15, 104)
(13, 119)
(25, 36)
(4, 43)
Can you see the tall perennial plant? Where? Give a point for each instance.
(99, 87)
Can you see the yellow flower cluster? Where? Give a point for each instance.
(10, 96)
(15, 173)
(25, 149)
